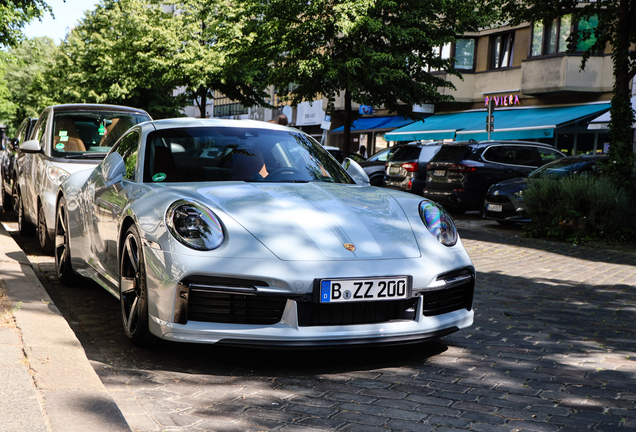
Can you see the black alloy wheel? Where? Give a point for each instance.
(133, 291)
(63, 267)
(26, 229)
(46, 242)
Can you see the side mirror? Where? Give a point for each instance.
(113, 170)
(356, 172)
(30, 146)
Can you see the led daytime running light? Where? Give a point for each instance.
(439, 223)
(194, 225)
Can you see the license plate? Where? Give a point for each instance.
(355, 290)
(494, 207)
(394, 170)
(439, 173)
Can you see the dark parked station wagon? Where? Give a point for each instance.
(459, 175)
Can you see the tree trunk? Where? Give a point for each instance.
(346, 149)
(203, 96)
(621, 152)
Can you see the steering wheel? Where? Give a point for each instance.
(279, 171)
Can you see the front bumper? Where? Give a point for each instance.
(293, 283)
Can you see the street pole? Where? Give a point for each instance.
(490, 119)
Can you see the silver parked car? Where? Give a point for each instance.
(65, 139)
(250, 233)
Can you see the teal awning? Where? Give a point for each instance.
(529, 123)
(375, 124)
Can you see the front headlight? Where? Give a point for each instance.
(439, 223)
(194, 225)
(56, 175)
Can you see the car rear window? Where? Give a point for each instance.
(451, 153)
(406, 153)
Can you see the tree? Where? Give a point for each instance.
(615, 28)
(377, 52)
(25, 66)
(210, 32)
(120, 53)
(15, 14)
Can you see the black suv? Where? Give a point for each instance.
(460, 174)
(406, 168)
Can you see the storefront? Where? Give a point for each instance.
(370, 131)
(565, 127)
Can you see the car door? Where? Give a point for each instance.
(32, 169)
(109, 203)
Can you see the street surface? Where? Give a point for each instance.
(553, 348)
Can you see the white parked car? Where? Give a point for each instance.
(65, 139)
(248, 233)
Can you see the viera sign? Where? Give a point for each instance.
(507, 100)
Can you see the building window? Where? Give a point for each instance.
(463, 51)
(465, 54)
(551, 37)
(502, 50)
(227, 110)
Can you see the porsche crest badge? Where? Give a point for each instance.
(349, 246)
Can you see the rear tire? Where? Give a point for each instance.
(134, 292)
(46, 242)
(26, 229)
(62, 251)
(7, 199)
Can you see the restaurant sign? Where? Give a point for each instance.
(507, 100)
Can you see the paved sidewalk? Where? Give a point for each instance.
(47, 383)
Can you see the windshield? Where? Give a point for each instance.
(559, 168)
(238, 154)
(405, 153)
(90, 133)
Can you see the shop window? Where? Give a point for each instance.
(551, 37)
(502, 50)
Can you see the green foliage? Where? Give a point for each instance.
(119, 54)
(376, 50)
(580, 209)
(25, 67)
(15, 14)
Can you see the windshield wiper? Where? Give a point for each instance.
(91, 155)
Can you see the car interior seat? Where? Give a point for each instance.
(66, 133)
(247, 163)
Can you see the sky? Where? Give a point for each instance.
(67, 14)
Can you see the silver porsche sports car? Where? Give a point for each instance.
(250, 233)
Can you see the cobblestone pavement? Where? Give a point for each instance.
(553, 348)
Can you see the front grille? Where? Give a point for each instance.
(317, 314)
(234, 308)
(499, 199)
(457, 295)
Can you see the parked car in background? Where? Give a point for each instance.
(375, 165)
(406, 168)
(9, 174)
(65, 139)
(504, 201)
(459, 175)
(249, 233)
(337, 153)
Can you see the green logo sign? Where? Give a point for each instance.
(158, 177)
(101, 130)
(59, 146)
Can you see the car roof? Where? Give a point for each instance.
(96, 107)
(495, 142)
(181, 122)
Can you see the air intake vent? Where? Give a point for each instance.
(317, 314)
(457, 295)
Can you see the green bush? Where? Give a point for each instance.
(580, 209)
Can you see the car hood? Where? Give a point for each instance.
(314, 221)
(511, 185)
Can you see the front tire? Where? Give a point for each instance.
(63, 267)
(46, 242)
(133, 291)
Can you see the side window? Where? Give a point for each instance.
(40, 128)
(548, 155)
(524, 156)
(493, 154)
(128, 149)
